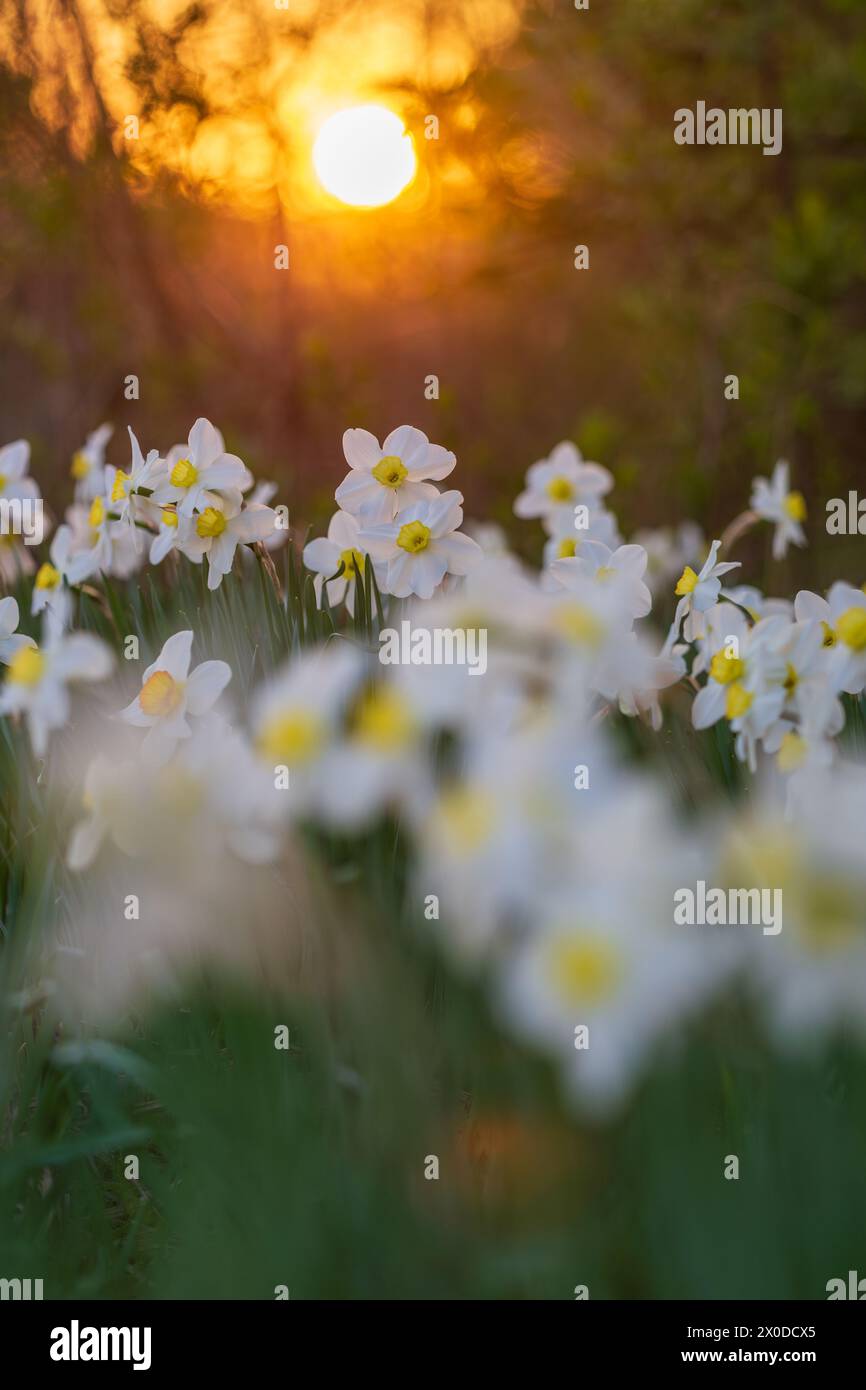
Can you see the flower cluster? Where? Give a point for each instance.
(392, 514)
(191, 500)
(543, 861)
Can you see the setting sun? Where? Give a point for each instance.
(364, 156)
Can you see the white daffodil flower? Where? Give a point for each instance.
(379, 761)
(120, 487)
(38, 676)
(106, 804)
(587, 620)
(843, 622)
(53, 573)
(88, 465)
(698, 593)
(422, 545)
(99, 544)
(813, 977)
(502, 825)
(602, 950)
(747, 685)
(218, 531)
(238, 793)
(196, 473)
(11, 641)
(803, 747)
(342, 547)
(566, 541)
(633, 674)
(296, 716)
(14, 482)
(622, 570)
(773, 501)
(173, 531)
(559, 483)
(388, 478)
(668, 550)
(170, 692)
(726, 627)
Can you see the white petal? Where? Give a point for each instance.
(82, 657)
(227, 472)
(133, 714)
(205, 443)
(410, 445)
(460, 553)
(174, 657)
(84, 843)
(206, 684)
(440, 462)
(709, 705)
(322, 555)
(361, 449)
(9, 616)
(254, 523)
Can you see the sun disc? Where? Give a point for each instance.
(364, 156)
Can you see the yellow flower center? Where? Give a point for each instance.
(169, 517)
(210, 523)
(47, 577)
(795, 506)
(3, 481)
(567, 548)
(390, 471)
(604, 572)
(738, 701)
(295, 736)
(578, 623)
(560, 490)
(791, 679)
(183, 474)
(687, 582)
(467, 816)
(160, 695)
(80, 466)
(414, 536)
(26, 666)
(792, 752)
(725, 669)
(851, 627)
(585, 970)
(830, 638)
(384, 720)
(118, 491)
(353, 563)
(97, 513)
(832, 916)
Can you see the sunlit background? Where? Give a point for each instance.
(156, 153)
